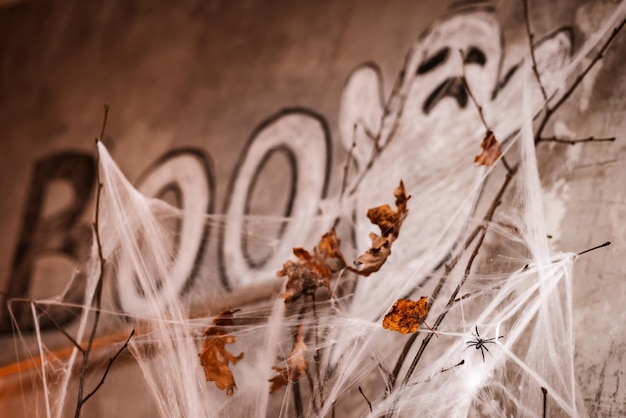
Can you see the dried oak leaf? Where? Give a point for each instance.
(388, 220)
(372, 260)
(490, 152)
(329, 246)
(214, 357)
(406, 315)
(296, 365)
(401, 198)
(309, 272)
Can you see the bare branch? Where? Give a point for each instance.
(575, 141)
(606, 244)
(531, 46)
(471, 95)
(552, 109)
(59, 327)
(460, 363)
(97, 299)
(369, 404)
(106, 371)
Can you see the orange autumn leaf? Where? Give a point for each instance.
(389, 222)
(491, 150)
(296, 365)
(406, 315)
(214, 357)
(329, 246)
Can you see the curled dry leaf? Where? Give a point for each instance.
(406, 315)
(372, 260)
(491, 150)
(310, 271)
(389, 222)
(329, 246)
(296, 365)
(305, 275)
(214, 357)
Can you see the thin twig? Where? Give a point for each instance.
(488, 130)
(316, 355)
(506, 165)
(106, 371)
(393, 97)
(470, 94)
(369, 404)
(465, 296)
(531, 46)
(551, 109)
(297, 398)
(346, 167)
(606, 244)
(460, 363)
(59, 327)
(97, 299)
(310, 379)
(400, 362)
(574, 141)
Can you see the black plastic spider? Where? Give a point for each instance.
(480, 343)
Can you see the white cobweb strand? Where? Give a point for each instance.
(173, 373)
(176, 382)
(57, 400)
(547, 314)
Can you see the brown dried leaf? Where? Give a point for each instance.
(401, 198)
(329, 246)
(225, 318)
(296, 365)
(372, 260)
(406, 315)
(389, 223)
(490, 152)
(384, 217)
(214, 357)
(304, 276)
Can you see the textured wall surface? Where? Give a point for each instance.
(204, 75)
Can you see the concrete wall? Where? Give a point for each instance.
(204, 75)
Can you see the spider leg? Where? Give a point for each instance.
(470, 344)
(483, 353)
(477, 331)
